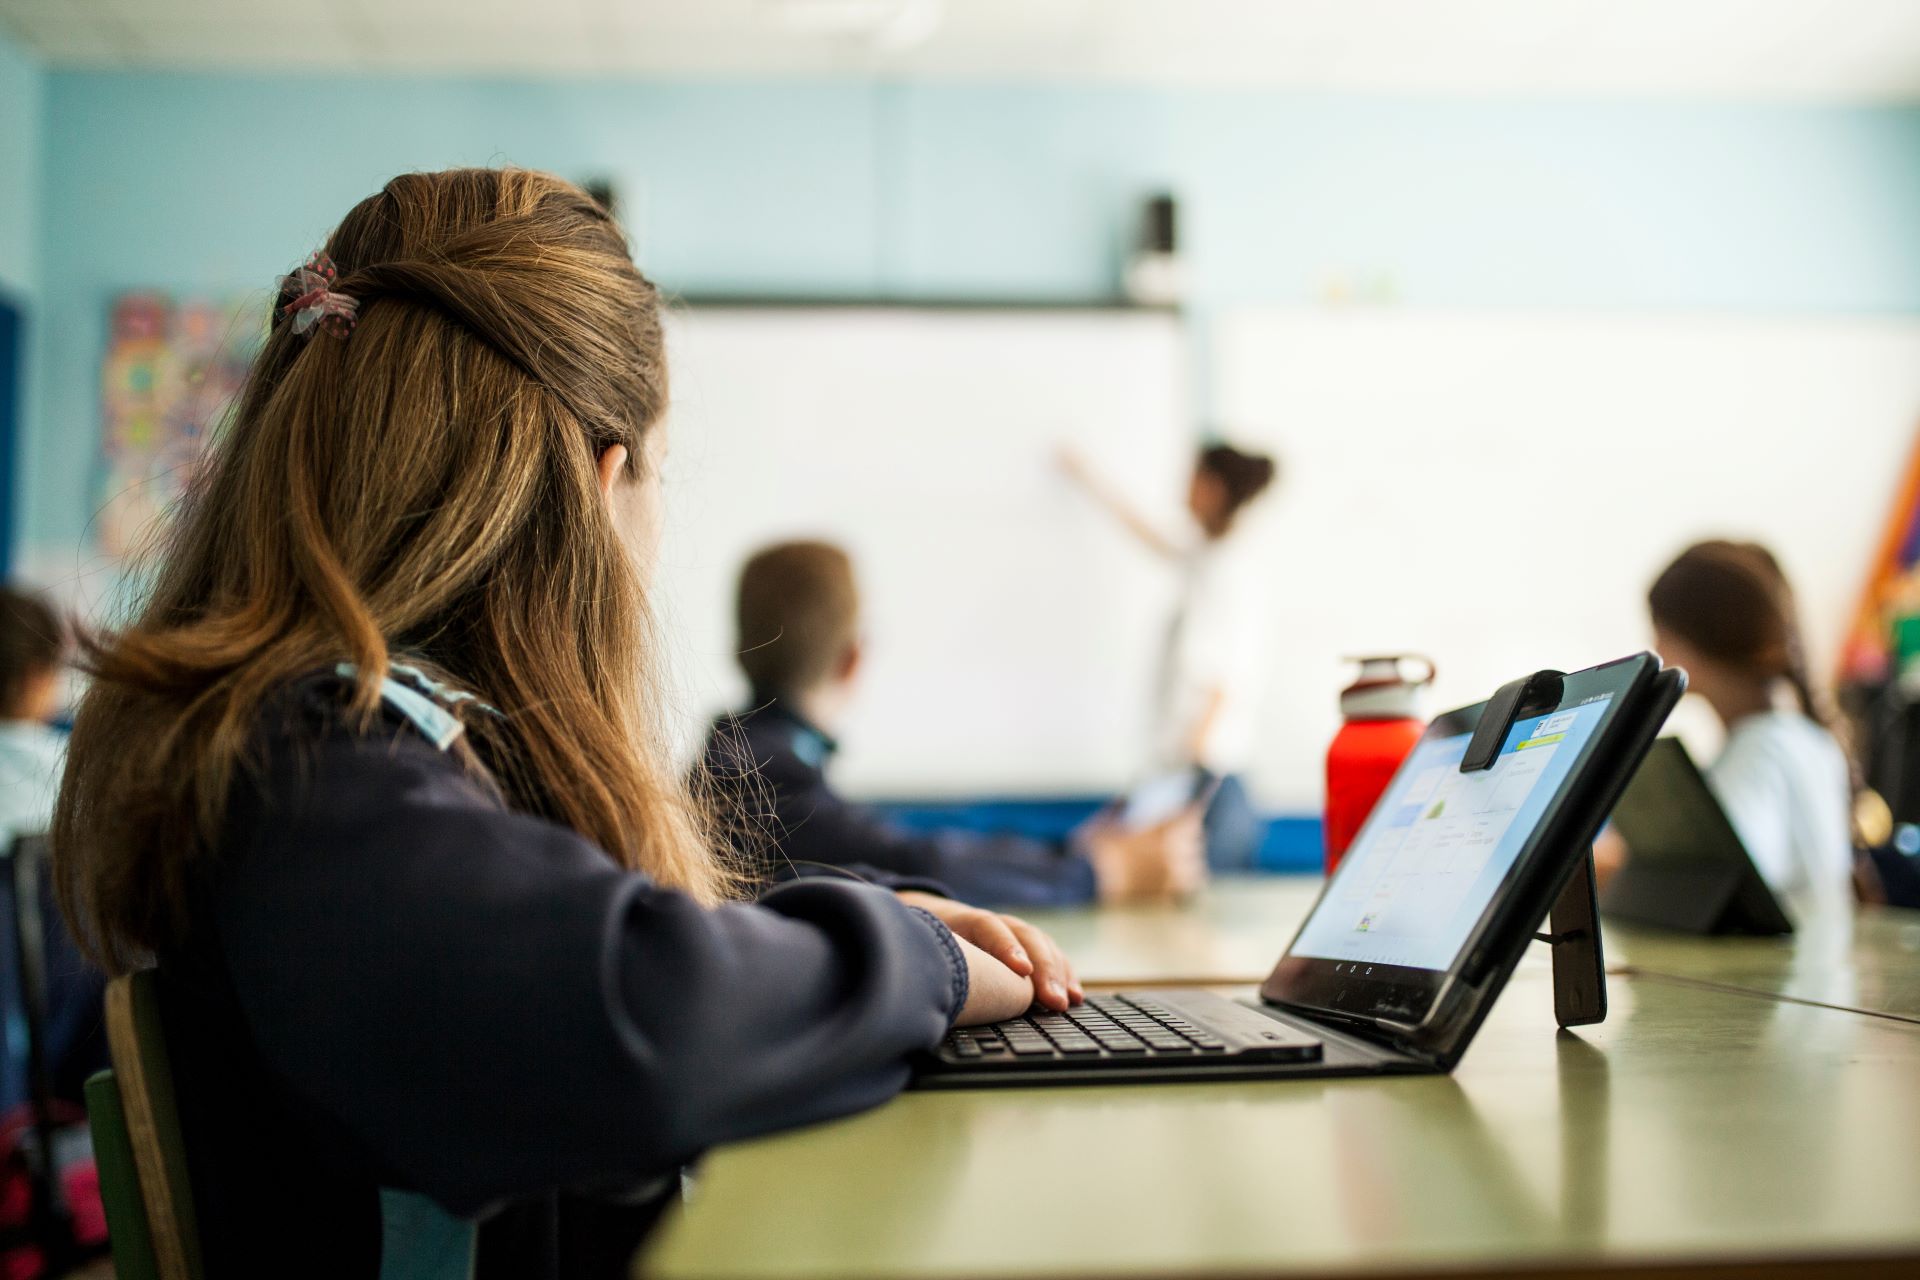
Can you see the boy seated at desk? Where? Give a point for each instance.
(798, 611)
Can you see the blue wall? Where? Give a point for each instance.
(22, 131)
(22, 128)
(219, 183)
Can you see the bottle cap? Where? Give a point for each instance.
(1384, 690)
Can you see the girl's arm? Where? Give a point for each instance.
(1200, 733)
(1081, 472)
(491, 1008)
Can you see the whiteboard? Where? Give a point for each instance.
(1011, 635)
(1498, 489)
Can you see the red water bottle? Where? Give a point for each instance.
(1383, 721)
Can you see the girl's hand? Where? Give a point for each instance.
(1025, 950)
(994, 992)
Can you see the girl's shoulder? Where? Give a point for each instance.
(322, 701)
(420, 722)
(317, 749)
(29, 748)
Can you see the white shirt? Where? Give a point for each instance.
(32, 757)
(1216, 642)
(1785, 785)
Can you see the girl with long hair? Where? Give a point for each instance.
(375, 778)
(1725, 612)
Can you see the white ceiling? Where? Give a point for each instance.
(1859, 50)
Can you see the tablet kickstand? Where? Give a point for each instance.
(1579, 969)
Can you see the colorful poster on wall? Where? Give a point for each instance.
(1885, 637)
(173, 367)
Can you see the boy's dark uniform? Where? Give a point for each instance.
(770, 762)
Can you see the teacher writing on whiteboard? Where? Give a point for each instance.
(1210, 666)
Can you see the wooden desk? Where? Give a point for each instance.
(1693, 1127)
(1867, 961)
(1229, 936)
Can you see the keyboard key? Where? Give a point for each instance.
(1042, 1049)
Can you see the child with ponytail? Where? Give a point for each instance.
(1725, 612)
(375, 779)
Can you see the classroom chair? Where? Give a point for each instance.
(143, 1171)
(137, 1143)
(132, 1240)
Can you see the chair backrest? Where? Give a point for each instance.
(143, 1169)
(152, 1116)
(127, 1227)
(422, 1241)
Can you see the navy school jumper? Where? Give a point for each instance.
(395, 980)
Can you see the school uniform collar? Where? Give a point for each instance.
(814, 745)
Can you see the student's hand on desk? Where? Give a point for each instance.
(1034, 967)
(1166, 861)
(994, 992)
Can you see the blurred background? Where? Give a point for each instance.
(1523, 296)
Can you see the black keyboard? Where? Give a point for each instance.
(1127, 1029)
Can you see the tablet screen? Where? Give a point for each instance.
(1440, 843)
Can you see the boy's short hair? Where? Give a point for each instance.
(32, 642)
(798, 613)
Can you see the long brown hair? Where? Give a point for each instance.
(1732, 602)
(426, 486)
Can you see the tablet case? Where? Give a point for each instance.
(1573, 925)
(1579, 963)
(1688, 871)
